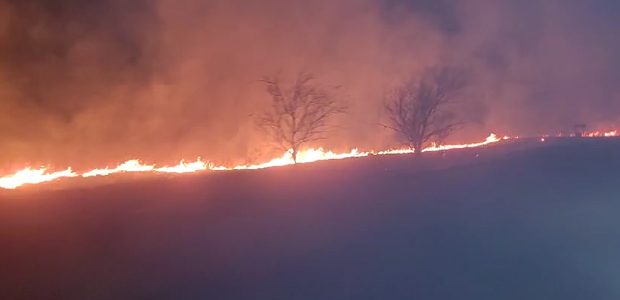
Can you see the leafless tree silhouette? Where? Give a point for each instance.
(298, 114)
(419, 109)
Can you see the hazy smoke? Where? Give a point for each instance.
(95, 82)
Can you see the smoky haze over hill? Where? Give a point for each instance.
(91, 82)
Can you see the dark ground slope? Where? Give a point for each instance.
(537, 224)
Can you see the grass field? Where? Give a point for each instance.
(519, 220)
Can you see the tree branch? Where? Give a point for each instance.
(418, 109)
(299, 114)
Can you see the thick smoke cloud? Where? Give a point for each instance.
(94, 82)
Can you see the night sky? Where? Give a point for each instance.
(91, 82)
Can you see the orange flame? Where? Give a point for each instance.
(183, 167)
(132, 165)
(31, 176)
(603, 134)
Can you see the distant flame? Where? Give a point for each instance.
(32, 176)
(603, 134)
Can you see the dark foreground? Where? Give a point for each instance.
(537, 224)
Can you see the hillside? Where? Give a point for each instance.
(513, 221)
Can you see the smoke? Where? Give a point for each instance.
(96, 82)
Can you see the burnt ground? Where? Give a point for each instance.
(505, 222)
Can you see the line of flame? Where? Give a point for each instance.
(35, 176)
(31, 176)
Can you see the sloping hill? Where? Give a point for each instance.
(539, 223)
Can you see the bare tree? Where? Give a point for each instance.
(298, 114)
(419, 109)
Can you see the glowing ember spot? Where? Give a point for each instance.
(30, 176)
(132, 165)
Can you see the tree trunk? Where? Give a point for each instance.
(417, 150)
(294, 155)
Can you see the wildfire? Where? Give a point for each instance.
(35, 176)
(30, 176)
(183, 167)
(603, 134)
(133, 165)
